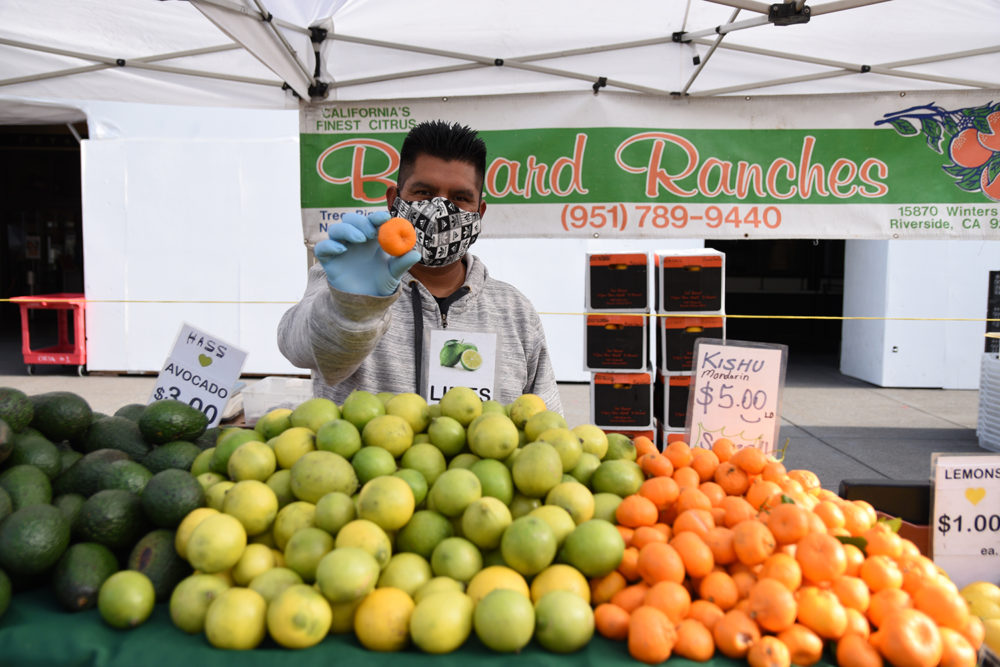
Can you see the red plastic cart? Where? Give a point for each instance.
(65, 352)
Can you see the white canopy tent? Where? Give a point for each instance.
(169, 88)
(253, 53)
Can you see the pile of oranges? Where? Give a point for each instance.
(729, 552)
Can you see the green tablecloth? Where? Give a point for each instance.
(36, 631)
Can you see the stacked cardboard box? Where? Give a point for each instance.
(617, 343)
(689, 303)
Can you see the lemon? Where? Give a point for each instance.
(493, 577)
(592, 439)
(340, 437)
(461, 404)
(560, 577)
(346, 574)
(566, 443)
(504, 620)
(273, 423)
(252, 460)
(343, 616)
(992, 638)
(299, 617)
(537, 469)
(493, 437)
(313, 413)
(271, 583)
(210, 479)
(605, 506)
(523, 407)
(292, 444)
(253, 503)
(390, 432)
(317, 473)
(407, 572)
(442, 622)
(366, 535)
(190, 600)
(573, 497)
(126, 599)
(528, 545)
(456, 557)
(382, 620)
(411, 407)
(256, 559)
(585, 467)
(564, 622)
(187, 526)
(290, 519)
(983, 598)
(236, 620)
(333, 511)
(305, 549)
(216, 543)
(446, 434)
(620, 446)
(471, 360)
(416, 481)
(215, 495)
(464, 460)
(484, 521)
(437, 585)
(386, 501)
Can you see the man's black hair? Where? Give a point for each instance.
(447, 141)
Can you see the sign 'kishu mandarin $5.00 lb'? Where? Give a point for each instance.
(736, 393)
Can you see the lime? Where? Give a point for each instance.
(318, 473)
(418, 483)
(523, 407)
(256, 559)
(456, 557)
(558, 518)
(281, 483)
(594, 547)
(461, 404)
(390, 432)
(605, 506)
(216, 543)
(360, 407)
(560, 577)
(566, 443)
(620, 447)
(236, 620)
(453, 490)
(484, 521)
(496, 577)
(471, 360)
(564, 622)
(528, 545)
(368, 536)
(340, 437)
(313, 413)
(592, 439)
(291, 518)
(126, 599)
(305, 549)
(190, 600)
(253, 503)
(542, 421)
(187, 526)
(493, 436)
(585, 467)
(427, 459)
(406, 571)
(437, 585)
(411, 407)
(573, 497)
(504, 620)
(447, 434)
(442, 622)
(292, 444)
(382, 620)
(271, 582)
(273, 423)
(346, 574)
(372, 462)
(299, 617)
(333, 511)
(386, 501)
(537, 469)
(621, 477)
(252, 460)
(423, 532)
(495, 479)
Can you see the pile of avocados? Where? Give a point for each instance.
(84, 494)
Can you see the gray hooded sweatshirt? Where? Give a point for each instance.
(351, 341)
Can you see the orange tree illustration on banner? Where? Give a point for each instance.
(970, 137)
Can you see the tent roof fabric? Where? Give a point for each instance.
(259, 53)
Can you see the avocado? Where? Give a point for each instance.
(116, 433)
(27, 485)
(208, 439)
(130, 411)
(61, 415)
(170, 495)
(6, 504)
(127, 475)
(78, 575)
(155, 556)
(4, 592)
(177, 454)
(68, 457)
(84, 476)
(6, 440)
(38, 451)
(170, 419)
(70, 505)
(15, 408)
(32, 539)
(112, 517)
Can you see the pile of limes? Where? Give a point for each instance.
(404, 522)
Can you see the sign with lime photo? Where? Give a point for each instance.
(460, 358)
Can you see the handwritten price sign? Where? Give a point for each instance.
(966, 519)
(736, 393)
(200, 371)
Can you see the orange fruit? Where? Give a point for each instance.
(679, 453)
(704, 462)
(750, 459)
(821, 611)
(882, 540)
(852, 592)
(910, 638)
(753, 542)
(719, 588)
(737, 509)
(855, 651)
(807, 478)
(669, 597)
(774, 471)
(629, 564)
(804, 645)
(651, 635)
(855, 556)
(723, 448)
(643, 445)
(956, 650)
(694, 641)
(602, 589)
(697, 521)
(735, 633)
(655, 464)
(821, 557)
(943, 604)
(917, 570)
(769, 652)
(643, 535)
(763, 494)
(886, 602)
(880, 571)
(788, 522)
(692, 498)
(831, 514)
(635, 510)
(661, 491)
(714, 492)
(631, 597)
(771, 605)
(857, 623)
(611, 621)
(658, 561)
(705, 612)
(695, 554)
(784, 568)
(974, 631)
(731, 478)
(397, 236)
(720, 540)
(686, 476)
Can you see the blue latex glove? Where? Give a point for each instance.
(353, 260)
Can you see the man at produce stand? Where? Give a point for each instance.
(367, 318)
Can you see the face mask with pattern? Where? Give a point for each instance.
(444, 231)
